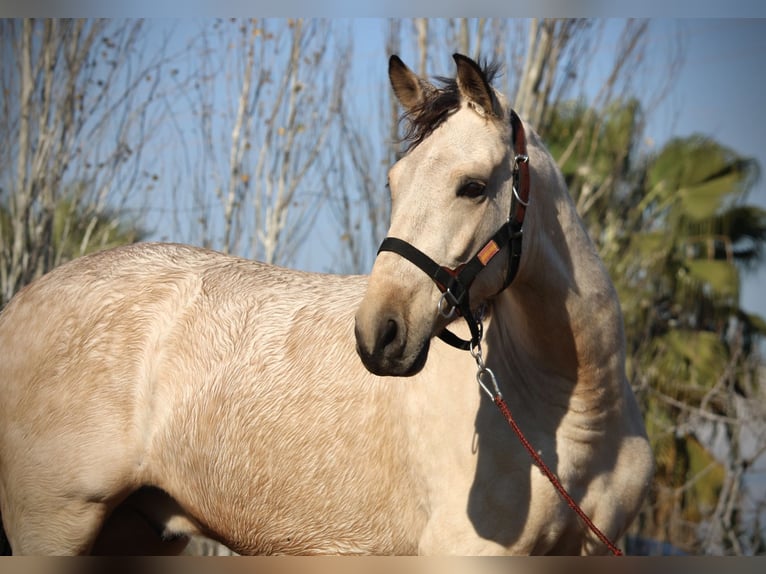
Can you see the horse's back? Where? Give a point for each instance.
(172, 367)
(79, 338)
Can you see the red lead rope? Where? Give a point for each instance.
(552, 477)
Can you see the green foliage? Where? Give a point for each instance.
(686, 364)
(720, 278)
(76, 228)
(676, 236)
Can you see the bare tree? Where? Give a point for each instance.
(421, 26)
(369, 145)
(548, 43)
(267, 92)
(78, 108)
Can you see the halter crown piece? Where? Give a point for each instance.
(455, 283)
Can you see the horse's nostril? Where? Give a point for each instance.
(390, 339)
(389, 333)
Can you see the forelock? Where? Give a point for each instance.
(438, 105)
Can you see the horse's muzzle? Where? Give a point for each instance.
(384, 350)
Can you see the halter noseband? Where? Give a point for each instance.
(455, 283)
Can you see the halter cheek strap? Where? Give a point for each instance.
(455, 283)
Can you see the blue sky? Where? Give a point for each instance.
(721, 91)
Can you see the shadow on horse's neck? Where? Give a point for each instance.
(555, 331)
(531, 347)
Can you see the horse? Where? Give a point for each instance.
(157, 391)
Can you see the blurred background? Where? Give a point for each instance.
(271, 139)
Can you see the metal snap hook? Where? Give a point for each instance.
(486, 373)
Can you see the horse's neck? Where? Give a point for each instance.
(558, 328)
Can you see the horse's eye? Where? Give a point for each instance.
(472, 189)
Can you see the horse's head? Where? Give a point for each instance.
(449, 194)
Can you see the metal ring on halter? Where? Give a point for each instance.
(518, 198)
(521, 158)
(475, 350)
(440, 307)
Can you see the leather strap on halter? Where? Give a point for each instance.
(455, 283)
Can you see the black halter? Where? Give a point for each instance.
(455, 283)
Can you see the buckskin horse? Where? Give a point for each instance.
(155, 391)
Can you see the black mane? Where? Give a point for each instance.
(438, 105)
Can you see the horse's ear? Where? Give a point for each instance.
(408, 87)
(473, 84)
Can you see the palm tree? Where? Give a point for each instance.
(686, 242)
(676, 236)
